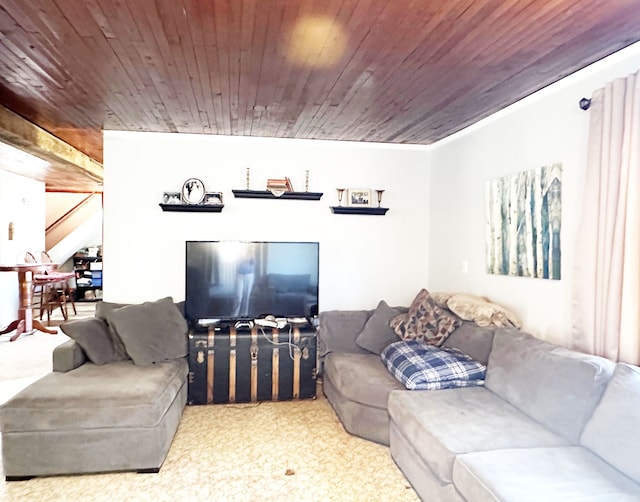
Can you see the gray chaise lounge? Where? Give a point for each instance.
(118, 415)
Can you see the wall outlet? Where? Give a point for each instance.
(465, 266)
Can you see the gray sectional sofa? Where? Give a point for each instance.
(548, 424)
(113, 401)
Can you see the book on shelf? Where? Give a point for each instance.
(283, 184)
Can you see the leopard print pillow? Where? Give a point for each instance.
(425, 321)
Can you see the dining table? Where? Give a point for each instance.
(25, 323)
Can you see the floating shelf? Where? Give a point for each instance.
(193, 208)
(266, 194)
(379, 211)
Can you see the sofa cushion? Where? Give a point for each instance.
(419, 366)
(361, 378)
(535, 474)
(339, 330)
(377, 333)
(425, 321)
(152, 331)
(612, 431)
(93, 336)
(556, 386)
(473, 340)
(118, 394)
(442, 424)
(103, 309)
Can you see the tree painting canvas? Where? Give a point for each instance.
(524, 215)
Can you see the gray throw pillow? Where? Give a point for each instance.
(103, 309)
(93, 336)
(152, 332)
(377, 334)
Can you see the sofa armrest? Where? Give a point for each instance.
(339, 329)
(68, 356)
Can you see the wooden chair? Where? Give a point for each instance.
(50, 289)
(64, 279)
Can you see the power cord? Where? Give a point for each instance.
(292, 346)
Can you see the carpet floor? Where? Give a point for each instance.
(289, 450)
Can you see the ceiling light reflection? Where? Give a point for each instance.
(317, 42)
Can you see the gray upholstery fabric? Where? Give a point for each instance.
(152, 331)
(103, 310)
(68, 356)
(472, 340)
(358, 419)
(117, 448)
(339, 330)
(514, 439)
(377, 334)
(85, 418)
(555, 386)
(445, 423)
(92, 334)
(356, 382)
(362, 378)
(612, 431)
(94, 396)
(411, 463)
(536, 474)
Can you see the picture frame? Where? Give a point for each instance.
(359, 197)
(213, 199)
(193, 191)
(171, 198)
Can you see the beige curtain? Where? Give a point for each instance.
(606, 298)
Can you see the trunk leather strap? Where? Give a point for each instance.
(210, 363)
(254, 364)
(232, 365)
(275, 365)
(296, 363)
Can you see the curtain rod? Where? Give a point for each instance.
(584, 104)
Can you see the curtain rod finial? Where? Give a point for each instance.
(585, 103)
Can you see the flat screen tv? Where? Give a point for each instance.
(233, 280)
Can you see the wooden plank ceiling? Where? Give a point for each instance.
(397, 71)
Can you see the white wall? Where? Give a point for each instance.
(362, 258)
(21, 202)
(545, 128)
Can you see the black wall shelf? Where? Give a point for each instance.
(193, 208)
(378, 211)
(266, 194)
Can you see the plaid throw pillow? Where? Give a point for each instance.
(425, 321)
(419, 366)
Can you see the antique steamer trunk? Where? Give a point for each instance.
(229, 365)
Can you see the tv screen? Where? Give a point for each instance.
(233, 280)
